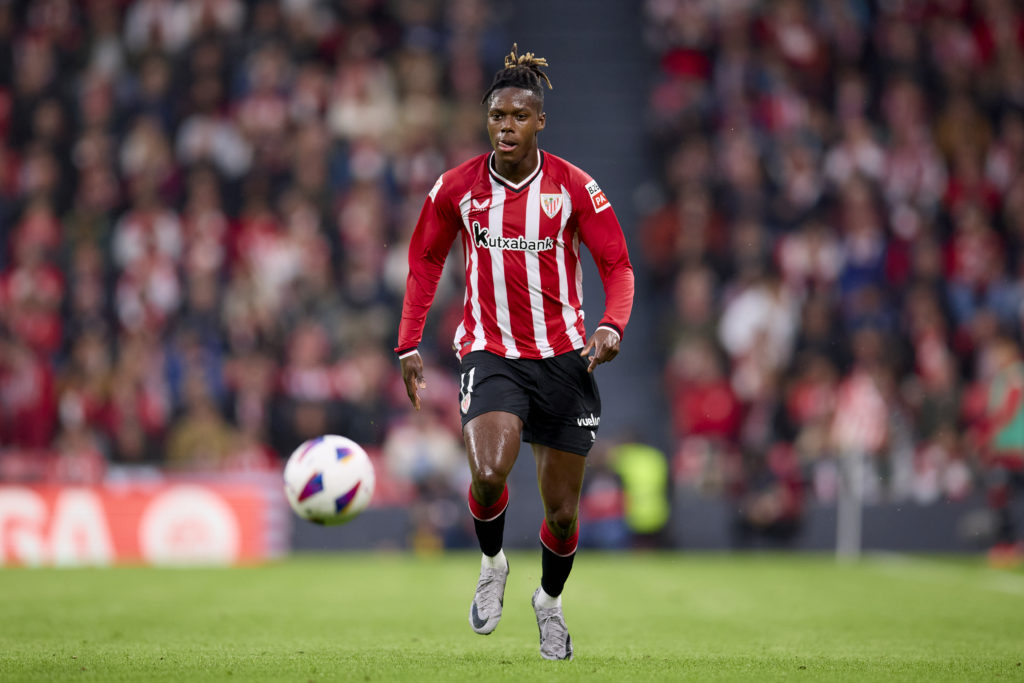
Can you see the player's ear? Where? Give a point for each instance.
(541, 120)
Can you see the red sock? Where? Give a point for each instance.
(556, 559)
(487, 513)
(557, 545)
(489, 522)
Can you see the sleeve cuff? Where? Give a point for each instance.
(613, 328)
(405, 353)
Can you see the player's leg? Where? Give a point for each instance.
(492, 445)
(493, 406)
(560, 476)
(565, 414)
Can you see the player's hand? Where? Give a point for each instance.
(412, 374)
(602, 346)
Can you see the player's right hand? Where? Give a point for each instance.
(412, 374)
(602, 346)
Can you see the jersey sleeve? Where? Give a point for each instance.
(436, 229)
(599, 229)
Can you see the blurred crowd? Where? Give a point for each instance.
(837, 245)
(205, 207)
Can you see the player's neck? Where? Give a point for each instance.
(516, 173)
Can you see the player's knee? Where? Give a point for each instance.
(562, 520)
(488, 485)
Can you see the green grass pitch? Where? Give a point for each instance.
(395, 617)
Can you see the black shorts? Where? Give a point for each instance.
(556, 398)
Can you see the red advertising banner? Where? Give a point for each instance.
(138, 522)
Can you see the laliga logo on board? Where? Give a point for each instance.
(81, 526)
(188, 525)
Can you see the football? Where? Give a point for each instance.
(329, 480)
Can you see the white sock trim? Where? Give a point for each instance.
(545, 601)
(497, 562)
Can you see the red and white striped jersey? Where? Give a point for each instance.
(521, 243)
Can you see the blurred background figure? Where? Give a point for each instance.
(643, 471)
(999, 431)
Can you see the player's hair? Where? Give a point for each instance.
(521, 71)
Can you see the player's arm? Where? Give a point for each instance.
(431, 240)
(599, 229)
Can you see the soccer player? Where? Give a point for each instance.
(526, 364)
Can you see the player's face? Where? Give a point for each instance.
(514, 118)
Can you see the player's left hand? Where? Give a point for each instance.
(602, 346)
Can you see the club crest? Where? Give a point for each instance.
(551, 203)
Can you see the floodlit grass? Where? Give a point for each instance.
(370, 617)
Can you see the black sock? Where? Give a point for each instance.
(490, 534)
(554, 571)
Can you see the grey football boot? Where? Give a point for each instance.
(555, 642)
(485, 612)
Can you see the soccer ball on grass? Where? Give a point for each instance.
(329, 480)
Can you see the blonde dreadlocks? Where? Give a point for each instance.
(521, 71)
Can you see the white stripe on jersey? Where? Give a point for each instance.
(473, 284)
(495, 224)
(532, 232)
(579, 270)
(568, 312)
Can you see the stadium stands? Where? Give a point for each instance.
(205, 207)
(839, 241)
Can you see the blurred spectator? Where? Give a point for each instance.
(602, 503)
(426, 451)
(643, 471)
(769, 500)
(758, 329)
(702, 399)
(999, 433)
(32, 288)
(28, 406)
(201, 439)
